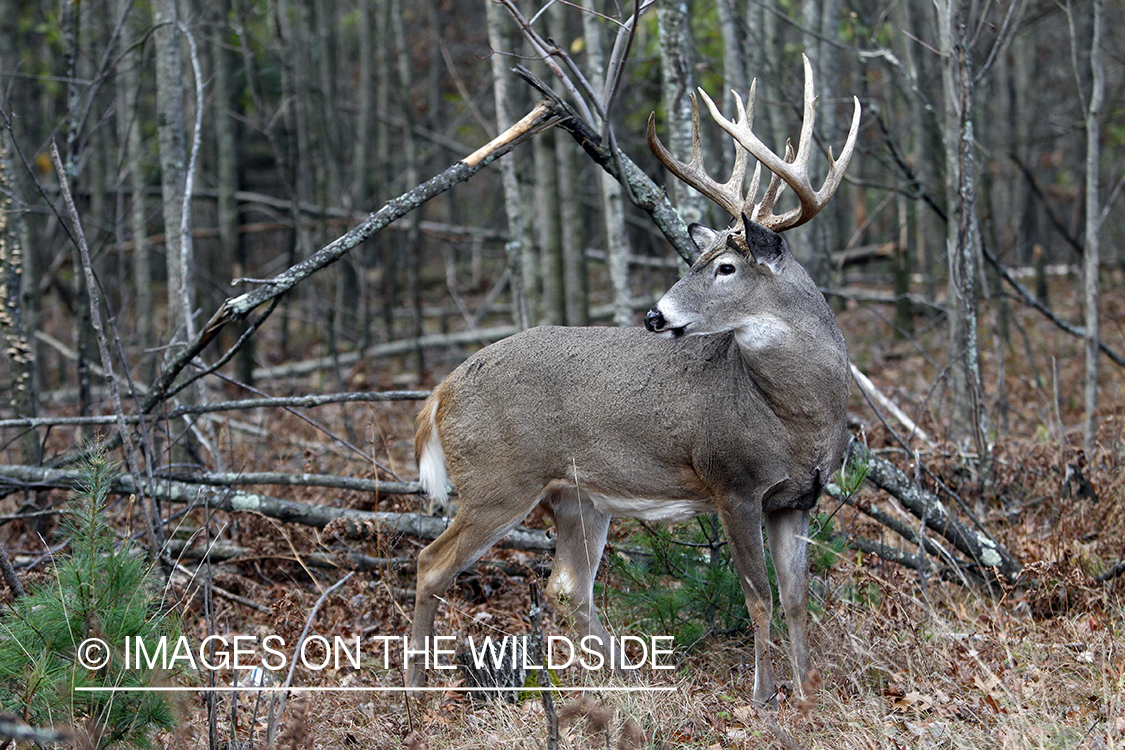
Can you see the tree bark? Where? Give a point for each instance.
(1092, 252)
(22, 390)
(517, 245)
(173, 166)
(967, 418)
(612, 199)
(129, 135)
(676, 81)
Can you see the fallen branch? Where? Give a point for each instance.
(357, 523)
(245, 479)
(985, 552)
(875, 394)
(1116, 570)
(218, 552)
(240, 405)
(11, 728)
(390, 349)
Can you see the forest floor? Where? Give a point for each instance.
(905, 662)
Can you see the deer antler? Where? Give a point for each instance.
(793, 169)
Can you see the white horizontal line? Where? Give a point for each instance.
(298, 688)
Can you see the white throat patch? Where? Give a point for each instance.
(761, 331)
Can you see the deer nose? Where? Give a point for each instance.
(654, 320)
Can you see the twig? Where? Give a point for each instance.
(9, 574)
(1029, 299)
(536, 647)
(220, 591)
(99, 333)
(275, 718)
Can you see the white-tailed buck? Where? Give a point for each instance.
(737, 408)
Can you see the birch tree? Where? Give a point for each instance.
(1092, 250)
(22, 396)
(612, 196)
(518, 247)
(173, 165)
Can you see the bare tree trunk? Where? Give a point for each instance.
(361, 144)
(926, 230)
(383, 166)
(823, 20)
(766, 48)
(966, 391)
(413, 245)
(551, 309)
(226, 127)
(676, 81)
(84, 331)
(613, 202)
(513, 201)
(22, 396)
(734, 65)
(173, 165)
(129, 135)
(1092, 250)
(574, 309)
(577, 305)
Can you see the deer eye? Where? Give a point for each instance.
(725, 269)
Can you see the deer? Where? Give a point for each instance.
(733, 401)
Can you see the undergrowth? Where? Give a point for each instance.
(100, 594)
(684, 583)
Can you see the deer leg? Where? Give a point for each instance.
(743, 526)
(582, 530)
(788, 534)
(475, 529)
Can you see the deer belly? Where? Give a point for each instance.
(665, 511)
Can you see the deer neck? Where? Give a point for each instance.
(800, 369)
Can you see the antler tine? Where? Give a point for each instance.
(729, 194)
(764, 210)
(794, 169)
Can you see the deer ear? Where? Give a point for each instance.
(702, 236)
(766, 246)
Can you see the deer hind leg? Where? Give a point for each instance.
(788, 534)
(581, 530)
(479, 524)
(743, 526)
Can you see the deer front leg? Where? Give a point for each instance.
(582, 531)
(788, 534)
(742, 522)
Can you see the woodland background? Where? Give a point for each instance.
(208, 150)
